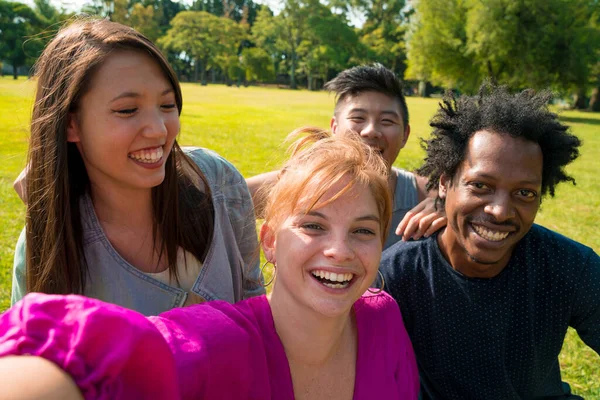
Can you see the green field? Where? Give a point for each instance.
(247, 126)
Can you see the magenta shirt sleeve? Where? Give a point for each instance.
(105, 348)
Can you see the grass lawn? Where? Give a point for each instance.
(247, 126)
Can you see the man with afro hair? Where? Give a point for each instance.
(488, 299)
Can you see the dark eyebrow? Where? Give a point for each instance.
(357, 109)
(369, 217)
(525, 182)
(136, 95)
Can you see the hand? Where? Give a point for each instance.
(421, 221)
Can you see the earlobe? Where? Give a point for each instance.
(73, 130)
(333, 125)
(443, 186)
(406, 135)
(267, 240)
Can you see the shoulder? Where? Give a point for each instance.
(216, 168)
(555, 248)
(376, 304)
(407, 250)
(215, 322)
(403, 174)
(378, 318)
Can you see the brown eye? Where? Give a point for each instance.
(526, 193)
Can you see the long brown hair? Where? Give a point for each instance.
(182, 206)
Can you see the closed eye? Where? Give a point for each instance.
(126, 111)
(169, 106)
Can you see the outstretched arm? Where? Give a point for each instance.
(32, 378)
(20, 184)
(254, 184)
(424, 219)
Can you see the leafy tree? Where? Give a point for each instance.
(526, 43)
(437, 45)
(145, 20)
(257, 64)
(243, 11)
(328, 44)
(208, 40)
(18, 23)
(382, 34)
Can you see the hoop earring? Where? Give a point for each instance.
(272, 276)
(382, 285)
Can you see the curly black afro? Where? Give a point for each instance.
(524, 114)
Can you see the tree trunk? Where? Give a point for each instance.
(595, 100)
(15, 72)
(580, 99)
(213, 75)
(203, 73)
(293, 72)
(309, 81)
(491, 74)
(196, 62)
(424, 89)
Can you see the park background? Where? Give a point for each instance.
(253, 72)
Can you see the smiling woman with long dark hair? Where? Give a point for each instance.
(116, 210)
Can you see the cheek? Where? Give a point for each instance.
(370, 256)
(173, 126)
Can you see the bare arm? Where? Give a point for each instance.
(30, 377)
(424, 219)
(20, 184)
(254, 184)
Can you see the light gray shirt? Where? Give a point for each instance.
(229, 272)
(405, 199)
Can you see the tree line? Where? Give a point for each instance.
(430, 43)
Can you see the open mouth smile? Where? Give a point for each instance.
(489, 234)
(333, 280)
(147, 156)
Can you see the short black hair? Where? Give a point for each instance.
(524, 114)
(368, 78)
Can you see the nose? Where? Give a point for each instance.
(370, 131)
(339, 248)
(501, 207)
(155, 125)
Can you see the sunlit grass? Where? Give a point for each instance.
(247, 126)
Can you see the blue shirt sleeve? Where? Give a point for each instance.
(19, 281)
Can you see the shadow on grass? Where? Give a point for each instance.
(578, 120)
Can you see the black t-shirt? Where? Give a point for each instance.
(496, 338)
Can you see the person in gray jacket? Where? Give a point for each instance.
(116, 209)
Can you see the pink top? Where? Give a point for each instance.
(213, 350)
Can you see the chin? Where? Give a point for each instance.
(333, 309)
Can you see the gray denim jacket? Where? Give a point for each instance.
(230, 271)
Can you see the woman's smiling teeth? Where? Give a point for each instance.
(333, 280)
(147, 156)
(493, 236)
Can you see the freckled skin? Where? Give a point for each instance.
(497, 188)
(338, 237)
